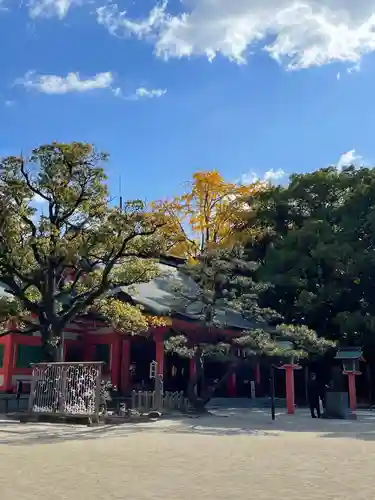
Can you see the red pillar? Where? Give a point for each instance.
(115, 360)
(192, 371)
(352, 390)
(159, 351)
(125, 366)
(232, 386)
(8, 361)
(289, 383)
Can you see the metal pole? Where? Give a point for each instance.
(61, 349)
(306, 384)
(159, 392)
(98, 391)
(272, 380)
(369, 384)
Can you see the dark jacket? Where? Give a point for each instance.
(314, 390)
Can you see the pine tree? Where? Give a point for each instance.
(225, 285)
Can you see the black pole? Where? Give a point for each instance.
(369, 384)
(19, 392)
(272, 380)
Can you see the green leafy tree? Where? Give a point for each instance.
(225, 285)
(68, 257)
(316, 237)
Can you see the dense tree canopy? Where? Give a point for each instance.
(64, 259)
(308, 261)
(315, 239)
(226, 284)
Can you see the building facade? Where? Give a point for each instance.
(127, 358)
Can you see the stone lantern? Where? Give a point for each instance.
(350, 358)
(338, 404)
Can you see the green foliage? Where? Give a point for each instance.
(226, 281)
(68, 258)
(316, 240)
(123, 317)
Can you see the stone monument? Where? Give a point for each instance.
(337, 398)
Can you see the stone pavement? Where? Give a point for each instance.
(232, 453)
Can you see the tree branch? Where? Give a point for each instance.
(33, 329)
(29, 184)
(34, 247)
(86, 299)
(80, 199)
(19, 293)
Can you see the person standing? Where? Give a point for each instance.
(313, 395)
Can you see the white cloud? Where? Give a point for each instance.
(117, 92)
(274, 175)
(354, 69)
(50, 8)
(350, 158)
(149, 94)
(140, 93)
(271, 176)
(249, 178)
(9, 103)
(53, 84)
(297, 33)
(119, 24)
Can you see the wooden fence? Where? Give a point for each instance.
(145, 401)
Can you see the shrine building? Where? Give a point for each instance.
(127, 358)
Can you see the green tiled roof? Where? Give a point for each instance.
(349, 353)
(159, 296)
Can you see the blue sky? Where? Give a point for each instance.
(244, 86)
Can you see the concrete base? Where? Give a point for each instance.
(337, 406)
(10, 403)
(53, 418)
(245, 403)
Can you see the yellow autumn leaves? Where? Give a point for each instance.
(205, 215)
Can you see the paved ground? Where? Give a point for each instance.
(233, 454)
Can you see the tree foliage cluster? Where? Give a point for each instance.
(295, 261)
(315, 240)
(66, 259)
(227, 287)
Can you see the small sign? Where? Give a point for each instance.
(252, 389)
(153, 367)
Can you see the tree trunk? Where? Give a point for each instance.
(50, 344)
(200, 400)
(196, 383)
(50, 352)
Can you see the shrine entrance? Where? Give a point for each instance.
(213, 372)
(74, 352)
(142, 353)
(176, 373)
(245, 374)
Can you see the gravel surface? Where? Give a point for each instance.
(232, 454)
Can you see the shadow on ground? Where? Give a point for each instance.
(222, 422)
